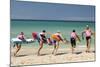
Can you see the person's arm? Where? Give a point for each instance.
(78, 38)
(17, 36)
(24, 37)
(83, 35)
(92, 33)
(62, 38)
(66, 41)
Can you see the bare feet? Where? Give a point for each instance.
(38, 54)
(87, 51)
(53, 52)
(15, 54)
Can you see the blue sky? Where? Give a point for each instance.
(48, 11)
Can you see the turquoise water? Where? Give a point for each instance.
(65, 27)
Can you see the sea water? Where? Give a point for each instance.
(65, 27)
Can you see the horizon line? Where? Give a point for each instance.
(50, 20)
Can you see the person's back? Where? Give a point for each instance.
(42, 36)
(73, 35)
(88, 32)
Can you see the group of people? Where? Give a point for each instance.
(55, 38)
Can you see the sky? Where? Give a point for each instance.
(51, 11)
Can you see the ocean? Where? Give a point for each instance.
(65, 27)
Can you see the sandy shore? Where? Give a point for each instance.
(28, 56)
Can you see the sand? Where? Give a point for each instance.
(28, 56)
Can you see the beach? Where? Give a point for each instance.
(43, 23)
(28, 53)
(28, 56)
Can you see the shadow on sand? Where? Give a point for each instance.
(60, 53)
(93, 51)
(43, 54)
(21, 55)
(78, 52)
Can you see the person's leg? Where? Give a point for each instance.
(14, 45)
(88, 46)
(72, 45)
(18, 48)
(72, 50)
(40, 47)
(49, 42)
(54, 43)
(57, 47)
(54, 49)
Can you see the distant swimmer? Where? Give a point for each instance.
(88, 33)
(73, 37)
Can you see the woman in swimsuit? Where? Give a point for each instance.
(88, 34)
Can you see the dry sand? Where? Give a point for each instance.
(28, 56)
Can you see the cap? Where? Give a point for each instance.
(73, 30)
(44, 31)
(22, 33)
